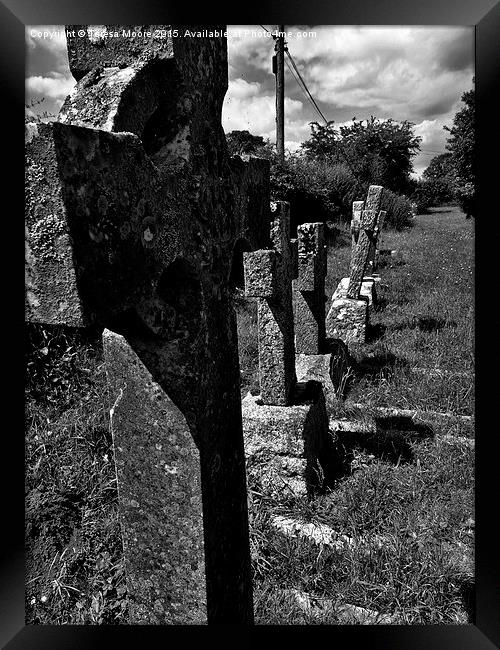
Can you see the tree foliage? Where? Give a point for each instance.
(376, 151)
(439, 167)
(243, 142)
(460, 145)
(318, 187)
(436, 185)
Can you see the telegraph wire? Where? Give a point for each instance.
(305, 85)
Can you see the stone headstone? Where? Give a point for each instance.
(357, 209)
(309, 289)
(268, 278)
(360, 256)
(371, 266)
(133, 212)
(158, 470)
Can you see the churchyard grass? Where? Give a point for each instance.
(409, 512)
(409, 516)
(74, 555)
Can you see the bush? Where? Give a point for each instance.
(399, 211)
(422, 198)
(465, 195)
(316, 191)
(430, 193)
(322, 191)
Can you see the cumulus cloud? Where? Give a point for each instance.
(396, 71)
(433, 142)
(54, 87)
(247, 108)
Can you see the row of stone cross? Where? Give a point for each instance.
(288, 282)
(134, 213)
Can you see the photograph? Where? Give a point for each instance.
(249, 340)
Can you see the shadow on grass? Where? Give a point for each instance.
(379, 365)
(391, 442)
(468, 593)
(337, 237)
(375, 332)
(380, 304)
(423, 323)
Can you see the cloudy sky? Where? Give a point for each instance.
(405, 73)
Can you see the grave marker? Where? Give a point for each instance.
(347, 318)
(309, 289)
(360, 257)
(357, 209)
(133, 211)
(268, 277)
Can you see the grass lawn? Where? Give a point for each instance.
(409, 516)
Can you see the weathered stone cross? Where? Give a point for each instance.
(309, 289)
(361, 252)
(373, 253)
(133, 213)
(268, 277)
(357, 209)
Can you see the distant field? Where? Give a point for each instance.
(410, 515)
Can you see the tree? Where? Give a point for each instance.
(322, 145)
(460, 145)
(437, 180)
(439, 167)
(376, 151)
(243, 142)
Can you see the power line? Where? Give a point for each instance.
(310, 97)
(305, 86)
(300, 84)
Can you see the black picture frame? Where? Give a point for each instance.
(485, 16)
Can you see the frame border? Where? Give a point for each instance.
(485, 15)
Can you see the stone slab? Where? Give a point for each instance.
(317, 367)
(260, 274)
(158, 470)
(333, 370)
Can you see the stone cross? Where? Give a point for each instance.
(357, 209)
(309, 289)
(372, 255)
(133, 212)
(268, 277)
(360, 255)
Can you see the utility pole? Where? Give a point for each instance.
(279, 71)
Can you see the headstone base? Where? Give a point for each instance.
(333, 371)
(367, 289)
(347, 320)
(289, 450)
